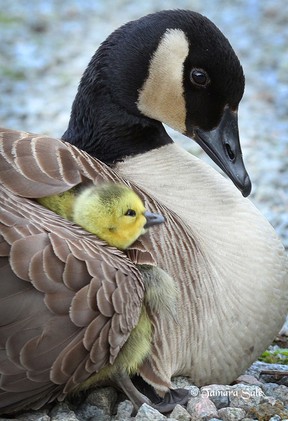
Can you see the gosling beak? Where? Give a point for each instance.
(153, 219)
(223, 146)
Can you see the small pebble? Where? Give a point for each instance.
(217, 393)
(265, 411)
(245, 378)
(92, 412)
(245, 396)
(41, 415)
(147, 413)
(180, 414)
(124, 411)
(62, 412)
(231, 414)
(275, 418)
(201, 407)
(104, 398)
(277, 391)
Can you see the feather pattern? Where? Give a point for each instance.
(63, 321)
(66, 296)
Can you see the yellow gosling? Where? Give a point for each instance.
(117, 215)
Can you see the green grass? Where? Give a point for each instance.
(10, 73)
(7, 19)
(278, 356)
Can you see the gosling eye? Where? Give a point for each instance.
(199, 77)
(130, 212)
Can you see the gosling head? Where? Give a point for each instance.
(114, 213)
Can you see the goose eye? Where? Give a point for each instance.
(199, 77)
(130, 212)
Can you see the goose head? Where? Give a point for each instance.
(173, 67)
(114, 213)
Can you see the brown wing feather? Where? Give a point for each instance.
(33, 166)
(68, 302)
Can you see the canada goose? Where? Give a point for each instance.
(230, 268)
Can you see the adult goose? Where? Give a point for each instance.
(69, 302)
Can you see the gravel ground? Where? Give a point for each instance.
(46, 45)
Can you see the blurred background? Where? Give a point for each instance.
(46, 45)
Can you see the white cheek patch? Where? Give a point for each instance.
(162, 95)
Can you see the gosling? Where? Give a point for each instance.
(117, 215)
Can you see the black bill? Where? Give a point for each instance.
(223, 146)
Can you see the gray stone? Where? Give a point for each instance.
(147, 413)
(248, 379)
(62, 412)
(274, 377)
(124, 411)
(265, 411)
(91, 412)
(232, 414)
(194, 391)
(184, 383)
(270, 400)
(101, 416)
(181, 382)
(180, 414)
(217, 393)
(201, 407)
(277, 391)
(245, 396)
(275, 418)
(41, 415)
(104, 398)
(258, 367)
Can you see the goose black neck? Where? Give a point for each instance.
(109, 133)
(105, 121)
